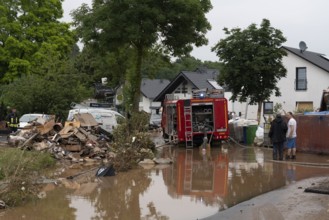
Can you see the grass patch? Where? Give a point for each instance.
(19, 170)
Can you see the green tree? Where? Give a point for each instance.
(252, 62)
(93, 65)
(166, 69)
(29, 31)
(156, 64)
(176, 25)
(50, 93)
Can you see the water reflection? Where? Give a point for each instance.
(290, 174)
(250, 175)
(201, 175)
(118, 197)
(197, 184)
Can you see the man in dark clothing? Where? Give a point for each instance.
(12, 120)
(277, 134)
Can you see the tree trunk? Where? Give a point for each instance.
(136, 80)
(259, 111)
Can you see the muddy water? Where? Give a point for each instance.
(197, 184)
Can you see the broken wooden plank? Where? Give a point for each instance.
(79, 135)
(89, 136)
(67, 135)
(72, 148)
(46, 127)
(66, 129)
(29, 140)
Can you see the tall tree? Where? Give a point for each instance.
(51, 93)
(140, 24)
(252, 62)
(30, 31)
(94, 64)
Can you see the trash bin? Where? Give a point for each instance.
(250, 134)
(244, 134)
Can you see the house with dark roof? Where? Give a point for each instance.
(307, 77)
(302, 88)
(187, 81)
(150, 88)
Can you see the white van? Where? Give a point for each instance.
(107, 119)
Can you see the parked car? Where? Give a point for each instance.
(107, 119)
(27, 118)
(155, 119)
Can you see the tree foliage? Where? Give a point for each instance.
(252, 62)
(51, 93)
(141, 24)
(185, 63)
(93, 65)
(29, 31)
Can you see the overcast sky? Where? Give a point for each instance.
(299, 20)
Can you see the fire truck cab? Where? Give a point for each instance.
(196, 118)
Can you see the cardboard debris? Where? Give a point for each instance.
(73, 124)
(67, 131)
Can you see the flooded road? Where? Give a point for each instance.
(197, 184)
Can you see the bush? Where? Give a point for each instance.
(132, 143)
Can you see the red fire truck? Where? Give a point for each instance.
(198, 118)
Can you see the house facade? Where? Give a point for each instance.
(150, 88)
(302, 88)
(307, 77)
(187, 81)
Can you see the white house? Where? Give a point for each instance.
(307, 77)
(301, 90)
(187, 81)
(150, 88)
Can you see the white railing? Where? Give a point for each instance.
(200, 93)
(177, 96)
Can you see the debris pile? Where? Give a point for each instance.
(80, 140)
(83, 140)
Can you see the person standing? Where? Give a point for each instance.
(12, 120)
(291, 137)
(277, 134)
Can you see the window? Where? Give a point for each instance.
(184, 89)
(301, 80)
(304, 106)
(268, 107)
(184, 86)
(177, 90)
